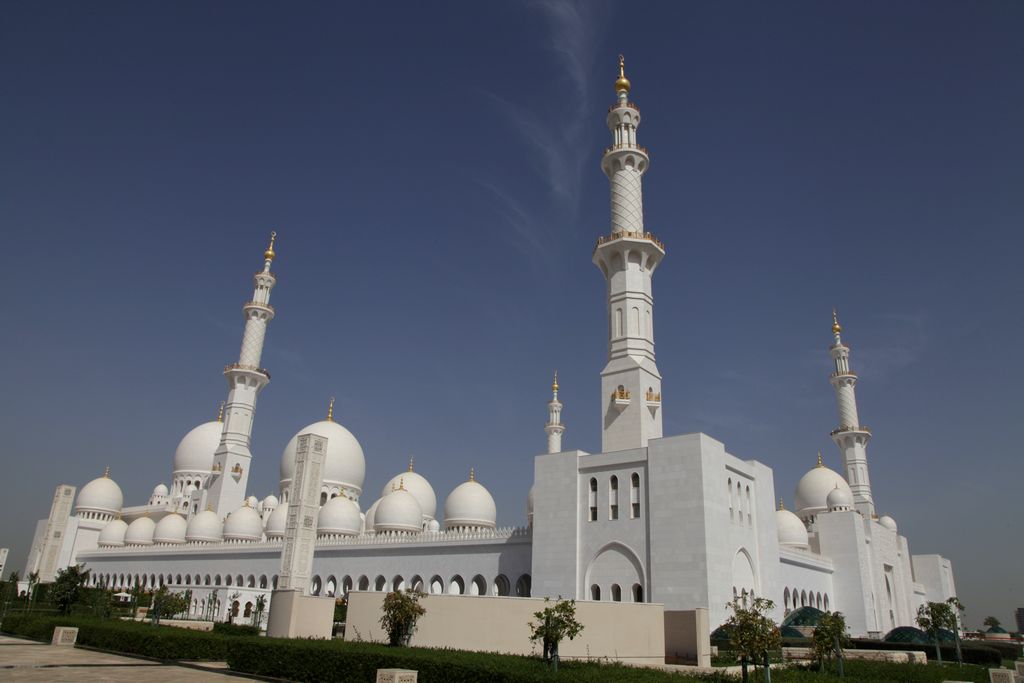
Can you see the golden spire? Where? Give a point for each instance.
(554, 384)
(401, 484)
(330, 410)
(247, 503)
(622, 84)
(781, 506)
(106, 472)
(410, 463)
(820, 464)
(836, 329)
(472, 475)
(220, 413)
(269, 253)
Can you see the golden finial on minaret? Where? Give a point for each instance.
(472, 474)
(410, 463)
(106, 472)
(401, 484)
(836, 329)
(554, 384)
(330, 410)
(820, 463)
(622, 84)
(269, 253)
(781, 505)
(220, 413)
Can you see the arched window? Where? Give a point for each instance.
(263, 581)
(323, 497)
(332, 587)
(613, 498)
(436, 585)
(638, 593)
(592, 499)
(457, 586)
(364, 583)
(273, 581)
(616, 593)
(750, 509)
(346, 585)
(416, 583)
(478, 586)
(227, 580)
(234, 608)
(398, 583)
(315, 586)
(595, 592)
(380, 583)
(739, 502)
(248, 610)
(785, 601)
(634, 495)
(523, 586)
(501, 585)
(826, 602)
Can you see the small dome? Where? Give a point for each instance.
(368, 517)
(839, 500)
(419, 487)
(170, 529)
(100, 495)
(470, 504)
(433, 525)
(339, 515)
(345, 464)
(195, 451)
(205, 527)
(398, 511)
(140, 532)
(244, 524)
(277, 521)
(112, 535)
(270, 502)
(791, 530)
(888, 522)
(160, 490)
(813, 489)
(252, 501)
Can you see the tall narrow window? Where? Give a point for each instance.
(750, 510)
(638, 593)
(595, 592)
(616, 593)
(592, 499)
(634, 495)
(613, 497)
(732, 505)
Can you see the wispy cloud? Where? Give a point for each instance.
(574, 30)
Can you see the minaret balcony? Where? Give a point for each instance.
(606, 239)
(235, 367)
(631, 105)
(258, 304)
(621, 399)
(845, 430)
(844, 373)
(653, 401)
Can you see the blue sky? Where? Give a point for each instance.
(432, 171)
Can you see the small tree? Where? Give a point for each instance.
(957, 608)
(67, 587)
(167, 604)
(992, 622)
(233, 599)
(932, 617)
(258, 609)
(553, 625)
(752, 632)
(33, 581)
(829, 638)
(401, 610)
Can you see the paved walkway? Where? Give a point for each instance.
(28, 660)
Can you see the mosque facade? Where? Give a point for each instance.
(676, 520)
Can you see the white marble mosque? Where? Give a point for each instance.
(676, 520)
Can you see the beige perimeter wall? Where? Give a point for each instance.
(621, 631)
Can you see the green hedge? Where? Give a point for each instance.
(129, 637)
(311, 661)
(883, 672)
(235, 629)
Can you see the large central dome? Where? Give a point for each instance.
(196, 449)
(345, 464)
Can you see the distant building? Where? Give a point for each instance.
(676, 520)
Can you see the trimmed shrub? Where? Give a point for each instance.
(235, 629)
(128, 637)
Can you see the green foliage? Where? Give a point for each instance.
(933, 617)
(992, 622)
(67, 587)
(752, 633)
(167, 604)
(829, 638)
(340, 609)
(227, 629)
(128, 637)
(401, 610)
(553, 625)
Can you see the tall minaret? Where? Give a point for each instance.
(630, 382)
(554, 427)
(851, 436)
(245, 381)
